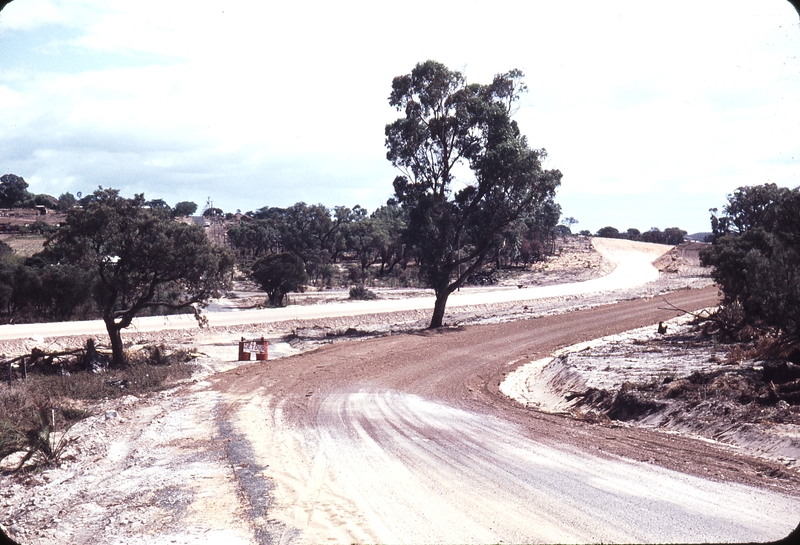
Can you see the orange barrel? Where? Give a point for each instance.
(263, 352)
(243, 355)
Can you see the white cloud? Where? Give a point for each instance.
(36, 14)
(287, 101)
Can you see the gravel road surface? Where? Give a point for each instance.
(408, 439)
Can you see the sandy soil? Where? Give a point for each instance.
(396, 436)
(661, 362)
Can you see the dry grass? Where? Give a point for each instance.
(37, 413)
(25, 245)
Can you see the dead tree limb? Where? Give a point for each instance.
(27, 361)
(702, 315)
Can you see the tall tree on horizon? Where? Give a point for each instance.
(448, 125)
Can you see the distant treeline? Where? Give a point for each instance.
(14, 194)
(337, 245)
(670, 235)
(367, 246)
(375, 245)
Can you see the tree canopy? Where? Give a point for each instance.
(278, 274)
(13, 190)
(141, 258)
(608, 232)
(671, 235)
(755, 255)
(453, 224)
(184, 208)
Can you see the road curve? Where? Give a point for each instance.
(426, 472)
(408, 439)
(632, 267)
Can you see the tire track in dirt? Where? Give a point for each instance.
(355, 407)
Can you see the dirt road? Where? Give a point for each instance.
(408, 439)
(631, 263)
(403, 438)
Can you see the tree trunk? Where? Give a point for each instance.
(438, 310)
(115, 335)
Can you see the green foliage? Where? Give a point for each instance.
(448, 123)
(65, 290)
(141, 259)
(38, 289)
(674, 236)
(47, 201)
(66, 201)
(750, 207)
(608, 232)
(368, 237)
(361, 293)
(357, 275)
(252, 238)
(39, 227)
(562, 231)
(278, 274)
(213, 213)
(313, 232)
(13, 191)
(671, 235)
(159, 204)
(321, 236)
(755, 255)
(184, 208)
(529, 238)
(19, 285)
(391, 221)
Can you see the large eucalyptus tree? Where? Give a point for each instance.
(141, 259)
(466, 171)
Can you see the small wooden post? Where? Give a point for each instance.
(24, 369)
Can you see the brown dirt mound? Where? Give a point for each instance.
(684, 258)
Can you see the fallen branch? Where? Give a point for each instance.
(52, 359)
(704, 314)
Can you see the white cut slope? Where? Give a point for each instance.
(633, 267)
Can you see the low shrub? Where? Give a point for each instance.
(486, 277)
(361, 293)
(33, 426)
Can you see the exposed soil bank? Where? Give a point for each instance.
(680, 382)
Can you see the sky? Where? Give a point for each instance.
(653, 111)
